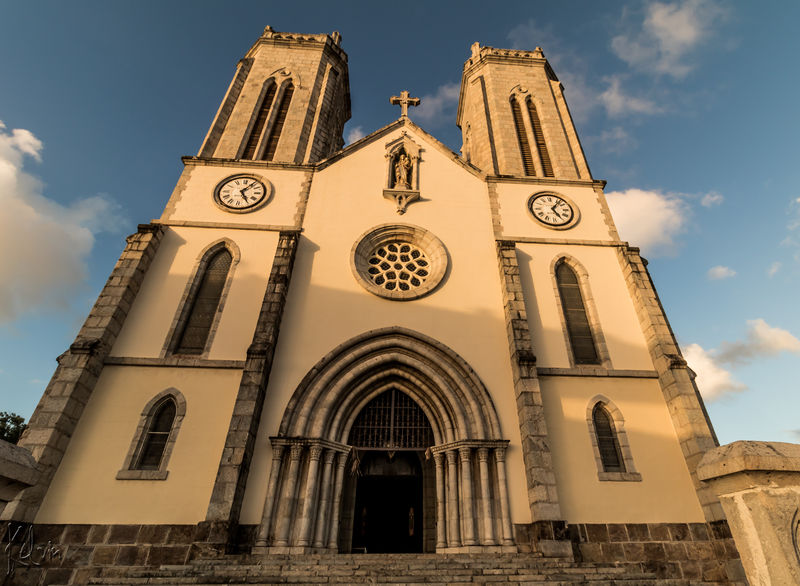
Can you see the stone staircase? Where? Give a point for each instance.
(450, 569)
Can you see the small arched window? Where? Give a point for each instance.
(277, 126)
(159, 424)
(607, 442)
(612, 451)
(579, 331)
(156, 436)
(260, 122)
(199, 318)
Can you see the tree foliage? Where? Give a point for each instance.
(11, 426)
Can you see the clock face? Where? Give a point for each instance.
(240, 193)
(551, 209)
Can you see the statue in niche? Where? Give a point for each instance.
(402, 168)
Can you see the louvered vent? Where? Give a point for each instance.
(538, 135)
(524, 146)
(258, 125)
(277, 127)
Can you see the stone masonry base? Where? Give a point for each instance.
(678, 553)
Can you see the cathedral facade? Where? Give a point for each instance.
(382, 348)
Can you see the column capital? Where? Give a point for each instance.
(438, 459)
(316, 452)
(465, 452)
(500, 454)
(277, 452)
(329, 456)
(483, 454)
(296, 451)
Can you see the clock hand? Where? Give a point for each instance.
(553, 209)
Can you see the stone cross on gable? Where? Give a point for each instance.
(404, 102)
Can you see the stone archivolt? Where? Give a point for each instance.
(305, 485)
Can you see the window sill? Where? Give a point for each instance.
(619, 476)
(142, 474)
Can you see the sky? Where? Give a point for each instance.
(688, 108)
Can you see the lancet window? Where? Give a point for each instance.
(538, 135)
(579, 331)
(203, 303)
(522, 137)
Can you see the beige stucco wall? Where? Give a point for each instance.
(160, 298)
(615, 311)
(517, 221)
(193, 196)
(85, 488)
(326, 306)
(665, 493)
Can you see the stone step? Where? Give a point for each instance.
(380, 569)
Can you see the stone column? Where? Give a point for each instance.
(441, 503)
(536, 455)
(502, 485)
(312, 482)
(453, 526)
(336, 504)
(269, 501)
(285, 506)
(234, 464)
(466, 495)
(486, 491)
(758, 485)
(323, 513)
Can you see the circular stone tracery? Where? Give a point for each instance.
(399, 261)
(399, 265)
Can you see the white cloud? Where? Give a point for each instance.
(618, 103)
(45, 243)
(762, 340)
(437, 108)
(719, 272)
(773, 269)
(663, 41)
(711, 199)
(649, 219)
(355, 133)
(712, 380)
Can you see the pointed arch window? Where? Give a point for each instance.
(612, 451)
(607, 442)
(155, 437)
(280, 120)
(204, 303)
(584, 350)
(538, 136)
(260, 122)
(522, 137)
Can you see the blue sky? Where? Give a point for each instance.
(687, 108)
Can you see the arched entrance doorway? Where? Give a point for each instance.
(338, 427)
(388, 505)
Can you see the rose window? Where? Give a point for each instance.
(399, 261)
(399, 265)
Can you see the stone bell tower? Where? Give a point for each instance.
(514, 118)
(288, 101)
